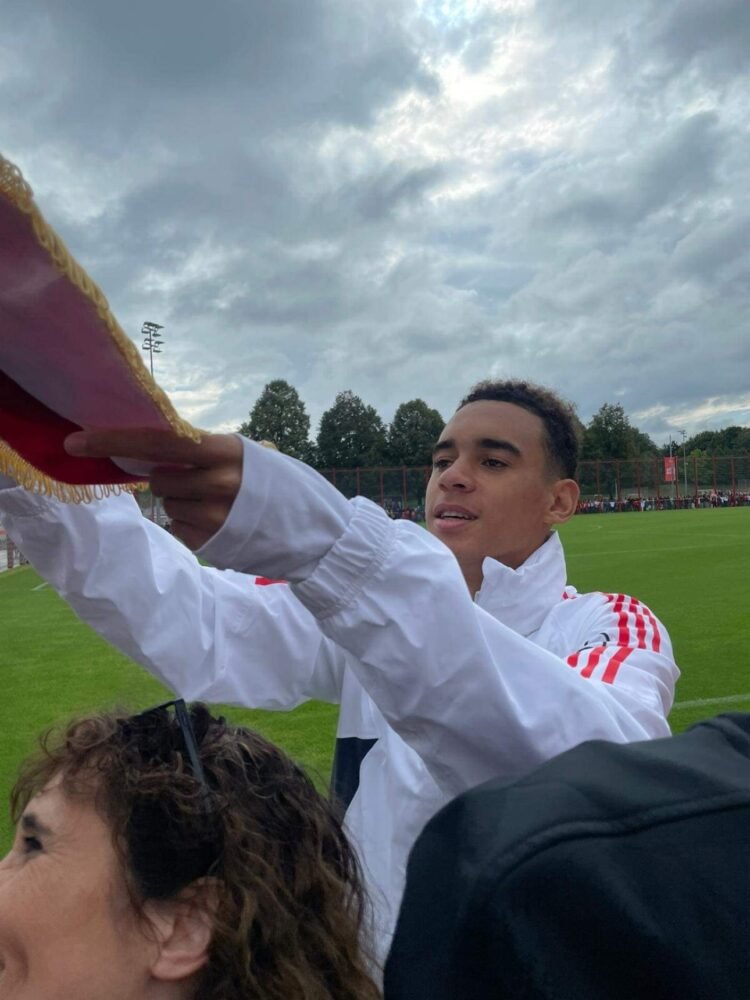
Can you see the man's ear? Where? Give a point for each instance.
(183, 928)
(563, 501)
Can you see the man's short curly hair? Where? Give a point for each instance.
(558, 417)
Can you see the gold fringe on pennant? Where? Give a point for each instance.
(14, 187)
(28, 476)
(16, 190)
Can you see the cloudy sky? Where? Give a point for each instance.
(401, 197)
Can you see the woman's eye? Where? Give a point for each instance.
(31, 844)
(440, 463)
(495, 463)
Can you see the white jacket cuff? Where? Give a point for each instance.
(284, 519)
(357, 555)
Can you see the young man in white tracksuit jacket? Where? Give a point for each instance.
(456, 655)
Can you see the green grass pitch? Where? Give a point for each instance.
(691, 567)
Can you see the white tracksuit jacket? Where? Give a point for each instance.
(437, 692)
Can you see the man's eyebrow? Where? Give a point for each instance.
(488, 444)
(445, 445)
(30, 823)
(498, 444)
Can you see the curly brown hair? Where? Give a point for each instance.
(291, 912)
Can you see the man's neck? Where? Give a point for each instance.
(474, 576)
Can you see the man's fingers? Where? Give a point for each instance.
(147, 445)
(221, 483)
(191, 536)
(160, 447)
(205, 518)
(198, 481)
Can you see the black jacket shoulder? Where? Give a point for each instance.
(613, 871)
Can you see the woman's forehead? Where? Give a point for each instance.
(48, 800)
(61, 813)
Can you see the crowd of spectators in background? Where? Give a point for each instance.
(703, 501)
(397, 510)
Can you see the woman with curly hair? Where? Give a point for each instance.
(170, 855)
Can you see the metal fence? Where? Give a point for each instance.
(396, 488)
(620, 484)
(10, 555)
(699, 481)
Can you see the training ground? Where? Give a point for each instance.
(691, 567)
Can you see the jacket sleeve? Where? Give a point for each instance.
(203, 633)
(472, 697)
(621, 644)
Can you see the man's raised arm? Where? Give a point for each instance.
(470, 695)
(203, 633)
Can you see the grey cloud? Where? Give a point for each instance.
(476, 37)
(235, 173)
(714, 245)
(679, 165)
(682, 164)
(716, 34)
(678, 32)
(262, 60)
(183, 71)
(395, 188)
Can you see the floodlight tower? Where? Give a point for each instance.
(152, 341)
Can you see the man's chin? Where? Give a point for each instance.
(450, 529)
(456, 541)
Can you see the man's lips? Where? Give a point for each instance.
(451, 515)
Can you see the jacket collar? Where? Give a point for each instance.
(522, 598)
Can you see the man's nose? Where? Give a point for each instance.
(457, 477)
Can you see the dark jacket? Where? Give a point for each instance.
(613, 872)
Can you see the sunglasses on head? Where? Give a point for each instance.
(155, 740)
(170, 848)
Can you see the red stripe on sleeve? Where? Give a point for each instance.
(623, 638)
(615, 663)
(638, 634)
(594, 656)
(640, 623)
(640, 631)
(264, 581)
(656, 641)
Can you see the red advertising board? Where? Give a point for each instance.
(670, 469)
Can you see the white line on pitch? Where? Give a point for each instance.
(700, 702)
(41, 586)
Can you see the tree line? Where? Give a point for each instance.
(352, 434)
(610, 435)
